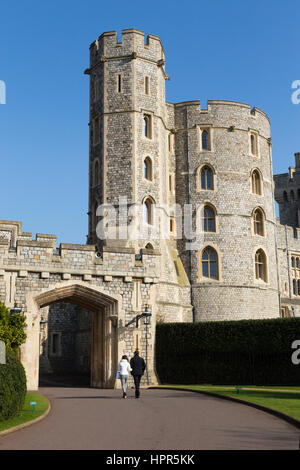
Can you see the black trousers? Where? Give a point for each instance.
(137, 379)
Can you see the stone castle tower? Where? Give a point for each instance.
(128, 128)
(169, 156)
(225, 171)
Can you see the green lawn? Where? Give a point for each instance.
(27, 414)
(287, 402)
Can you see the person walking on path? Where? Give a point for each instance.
(123, 369)
(138, 366)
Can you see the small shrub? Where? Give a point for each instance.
(12, 386)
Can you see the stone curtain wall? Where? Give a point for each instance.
(288, 241)
(287, 194)
(33, 267)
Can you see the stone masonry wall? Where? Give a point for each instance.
(236, 294)
(288, 242)
(37, 266)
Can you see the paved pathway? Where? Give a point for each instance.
(85, 418)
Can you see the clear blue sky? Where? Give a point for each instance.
(233, 50)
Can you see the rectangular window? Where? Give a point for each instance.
(136, 300)
(147, 122)
(285, 312)
(254, 144)
(147, 85)
(172, 225)
(119, 83)
(205, 138)
(171, 143)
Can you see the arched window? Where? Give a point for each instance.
(285, 197)
(148, 169)
(260, 265)
(294, 287)
(256, 182)
(96, 173)
(292, 196)
(148, 211)
(209, 263)
(147, 126)
(206, 178)
(258, 221)
(205, 140)
(298, 287)
(149, 246)
(208, 219)
(293, 261)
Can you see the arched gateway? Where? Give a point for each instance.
(107, 324)
(108, 289)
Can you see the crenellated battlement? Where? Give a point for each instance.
(12, 235)
(287, 194)
(232, 115)
(19, 252)
(288, 243)
(132, 45)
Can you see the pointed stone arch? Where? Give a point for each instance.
(107, 316)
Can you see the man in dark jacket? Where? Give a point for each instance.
(138, 366)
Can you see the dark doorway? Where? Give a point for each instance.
(65, 345)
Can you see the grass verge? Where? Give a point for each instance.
(287, 402)
(27, 414)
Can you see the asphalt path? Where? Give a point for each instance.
(93, 419)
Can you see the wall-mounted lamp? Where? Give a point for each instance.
(15, 310)
(146, 314)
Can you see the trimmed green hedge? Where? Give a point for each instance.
(12, 386)
(253, 352)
